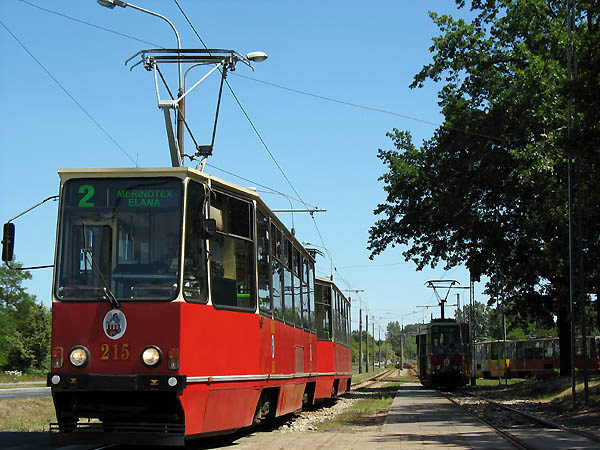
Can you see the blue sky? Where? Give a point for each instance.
(365, 53)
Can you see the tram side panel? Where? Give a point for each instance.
(220, 354)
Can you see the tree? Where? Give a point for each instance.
(489, 189)
(25, 326)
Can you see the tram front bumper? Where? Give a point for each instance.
(70, 381)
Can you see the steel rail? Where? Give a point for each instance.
(537, 419)
(519, 443)
(372, 380)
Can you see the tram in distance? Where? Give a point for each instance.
(444, 356)
(532, 358)
(183, 307)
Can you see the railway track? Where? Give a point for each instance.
(375, 379)
(510, 434)
(380, 377)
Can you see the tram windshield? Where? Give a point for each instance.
(122, 235)
(445, 339)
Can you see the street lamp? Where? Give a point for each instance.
(110, 4)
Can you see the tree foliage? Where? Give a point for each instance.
(25, 325)
(489, 188)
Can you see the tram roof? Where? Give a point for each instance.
(178, 172)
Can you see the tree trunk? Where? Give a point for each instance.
(564, 334)
(597, 304)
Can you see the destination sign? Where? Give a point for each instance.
(123, 193)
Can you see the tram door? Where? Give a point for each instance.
(422, 352)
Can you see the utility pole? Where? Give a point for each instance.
(471, 329)
(360, 352)
(373, 320)
(367, 350)
(402, 348)
(379, 345)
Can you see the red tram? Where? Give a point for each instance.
(443, 352)
(182, 307)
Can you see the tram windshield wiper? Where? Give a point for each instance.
(105, 288)
(87, 252)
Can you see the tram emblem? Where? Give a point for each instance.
(114, 324)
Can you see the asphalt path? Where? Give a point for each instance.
(5, 394)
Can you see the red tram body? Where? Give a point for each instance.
(443, 355)
(231, 327)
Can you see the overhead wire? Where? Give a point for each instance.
(254, 127)
(279, 86)
(87, 23)
(59, 84)
(243, 109)
(235, 97)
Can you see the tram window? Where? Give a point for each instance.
(495, 350)
(90, 251)
(288, 298)
(195, 284)
(277, 290)
(276, 242)
(323, 311)
(337, 316)
(556, 346)
(447, 340)
(348, 326)
(264, 276)
(289, 252)
(232, 254)
(305, 294)
(140, 217)
(520, 346)
(297, 262)
(311, 296)
(297, 301)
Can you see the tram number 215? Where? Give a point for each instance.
(114, 351)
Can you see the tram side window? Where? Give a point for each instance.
(302, 289)
(264, 276)
(348, 326)
(342, 320)
(336, 314)
(297, 289)
(195, 284)
(495, 351)
(323, 311)
(232, 253)
(288, 298)
(277, 273)
(307, 295)
(311, 296)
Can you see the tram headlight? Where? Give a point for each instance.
(151, 356)
(79, 356)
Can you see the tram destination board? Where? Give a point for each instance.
(120, 193)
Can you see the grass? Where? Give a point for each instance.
(26, 414)
(10, 378)
(12, 386)
(554, 389)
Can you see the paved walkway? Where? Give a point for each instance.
(418, 418)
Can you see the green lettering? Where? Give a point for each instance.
(89, 193)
